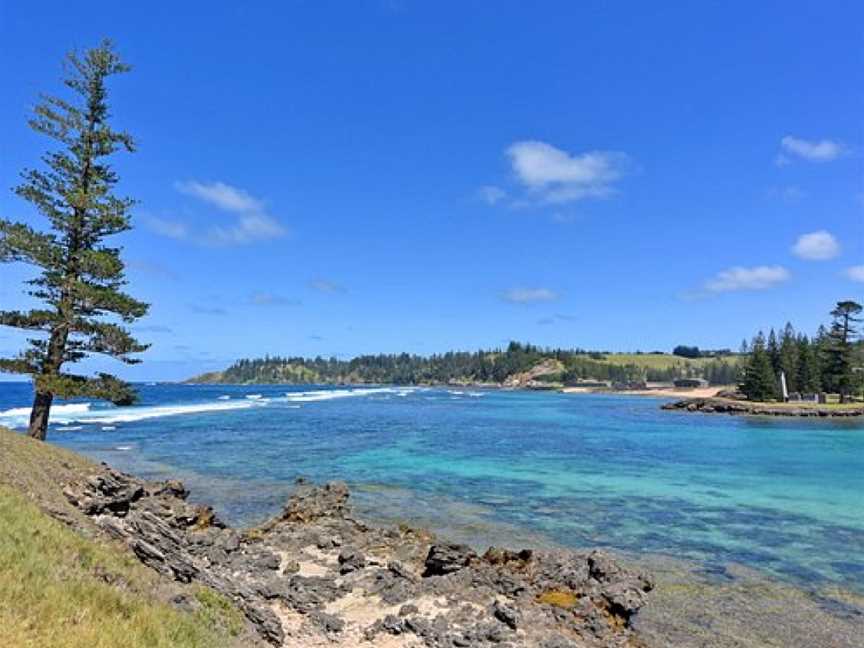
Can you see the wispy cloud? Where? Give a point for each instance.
(153, 328)
(271, 299)
(169, 228)
(252, 222)
(556, 176)
(327, 286)
(557, 317)
(529, 295)
(491, 194)
(787, 193)
(739, 278)
(151, 268)
(816, 246)
(856, 273)
(207, 310)
(824, 150)
(221, 195)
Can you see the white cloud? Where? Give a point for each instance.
(492, 194)
(248, 228)
(740, 278)
(856, 273)
(811, 150)
(816, 246)
(169, 228)
(559, 177)
(222, 195)
(252, 223)
(529, 295)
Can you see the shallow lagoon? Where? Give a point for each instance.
(784, 496)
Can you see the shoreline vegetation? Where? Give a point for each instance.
(516, 366)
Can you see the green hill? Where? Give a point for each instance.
(496, 366)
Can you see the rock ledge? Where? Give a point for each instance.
(315, 576)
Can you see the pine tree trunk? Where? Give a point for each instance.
(39, 416)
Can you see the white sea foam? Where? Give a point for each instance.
(332, 394)
(83, 413)
(123, 448)
(108, 428)
(18, 417)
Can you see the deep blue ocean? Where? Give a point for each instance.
(784, 496)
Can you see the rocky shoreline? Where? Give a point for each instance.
(738, 407)
(314, 575)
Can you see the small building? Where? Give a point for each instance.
(690, 383)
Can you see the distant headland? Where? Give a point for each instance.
(516, 366)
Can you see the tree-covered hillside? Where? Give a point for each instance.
(496, 366)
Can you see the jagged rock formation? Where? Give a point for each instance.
(316, 576)
(733, 406)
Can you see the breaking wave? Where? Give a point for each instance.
(71, 415)
(332, 394)
(84, 413)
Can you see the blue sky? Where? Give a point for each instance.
(352, 177)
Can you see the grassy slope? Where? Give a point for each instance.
(662, 360)
(60, 588)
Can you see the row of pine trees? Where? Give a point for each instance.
(832, 361)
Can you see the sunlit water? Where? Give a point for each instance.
(782, 495)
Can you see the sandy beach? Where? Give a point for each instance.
(662, 392)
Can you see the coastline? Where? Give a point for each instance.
(315, 575)
(320, 546)
(656, 392)
(746, 408)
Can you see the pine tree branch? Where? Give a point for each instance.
(93, 299)
(33, 320)
(19, 242)
(20, 365)
(107, 339)
(103, 387)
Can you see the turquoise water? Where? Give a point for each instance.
(781, 495)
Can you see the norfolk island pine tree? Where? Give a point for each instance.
(81, 278)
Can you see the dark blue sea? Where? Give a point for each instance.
(784, 496)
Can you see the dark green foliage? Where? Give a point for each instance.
(809, 371)
(773, 349)
(686, 351)
(81, 279)
(759, 382)
(839, 350)
(832, 361)
(492, 366)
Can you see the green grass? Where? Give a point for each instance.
(662, 360)
(65, 588)
(59, 589)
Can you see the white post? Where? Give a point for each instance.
(783, 386)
